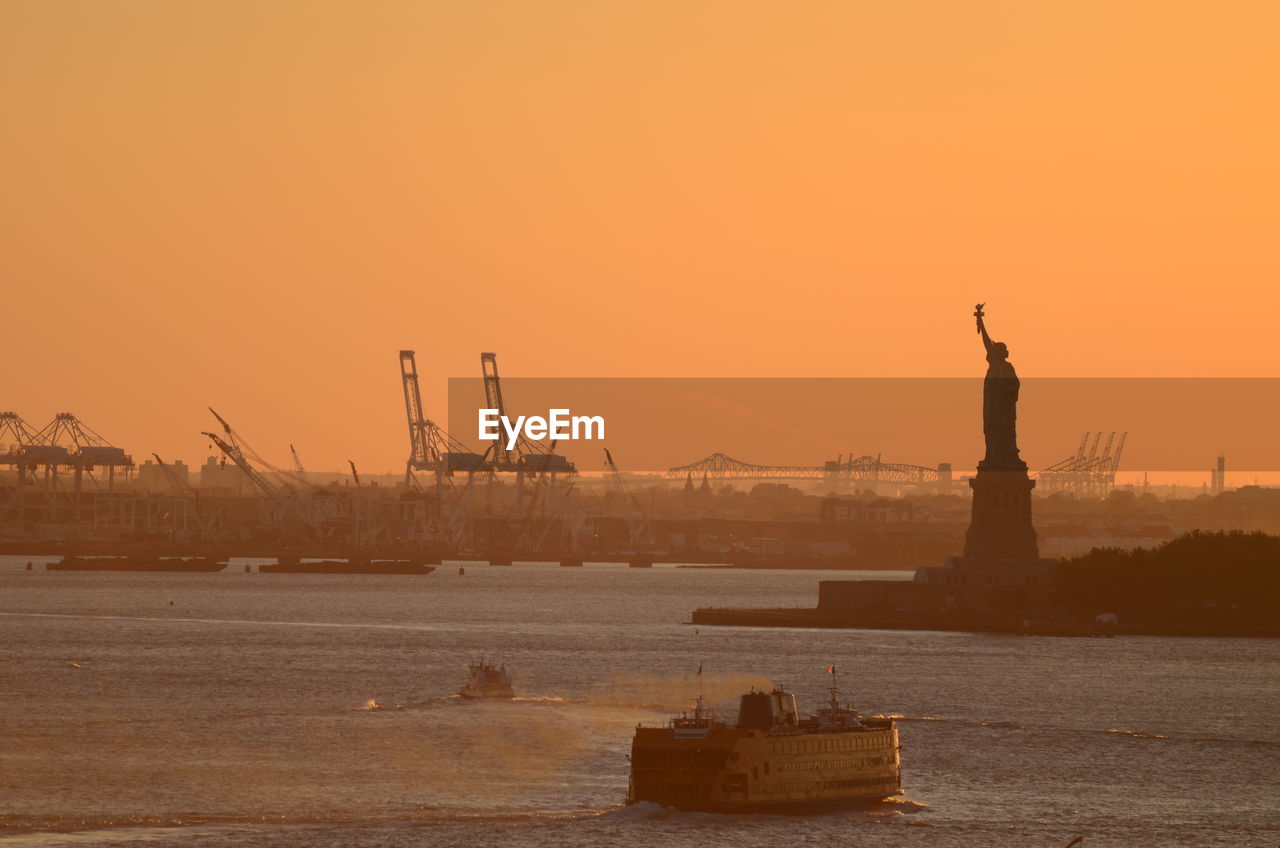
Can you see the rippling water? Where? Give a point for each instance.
(247, 709)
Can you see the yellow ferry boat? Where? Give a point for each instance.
(769, 760)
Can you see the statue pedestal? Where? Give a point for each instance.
(1000, 527)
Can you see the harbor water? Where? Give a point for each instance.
(235, 709)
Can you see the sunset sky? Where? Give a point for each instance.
(254, 205)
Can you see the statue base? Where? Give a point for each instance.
(1000, 527)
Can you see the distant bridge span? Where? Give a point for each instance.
(864, 468)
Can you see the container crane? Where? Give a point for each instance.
(430, 447)
(493, 400)
(528, 457)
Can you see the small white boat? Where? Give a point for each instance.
(485, 680)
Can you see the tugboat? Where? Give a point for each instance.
(485, 680)
(769, 761)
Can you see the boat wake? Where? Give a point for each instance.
(1012, 725)
(1136, 734)
(649, 811)
(1111, 731)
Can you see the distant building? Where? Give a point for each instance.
(152, 478)
(1218, 476)
(853, 510)
(222, 476)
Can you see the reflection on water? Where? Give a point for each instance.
(239, 708)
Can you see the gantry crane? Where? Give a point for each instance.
(1088, 471)
(430, 447)
(528, 457)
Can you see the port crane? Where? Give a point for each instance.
(14, 434)
(493, 400)
(232, 452)
(85, 448)
(65, 443)
(297, 464)
(246, 452)
(315, 512)
(1088, 471)
(430, 447)
(528, 457)
(175, 482)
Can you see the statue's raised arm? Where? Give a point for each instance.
(982, 327)
(999, 402)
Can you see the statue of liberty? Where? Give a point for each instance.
(999, 405)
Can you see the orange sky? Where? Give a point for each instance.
(254, 205)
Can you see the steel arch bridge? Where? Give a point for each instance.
(869, 469)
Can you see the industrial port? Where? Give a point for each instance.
(64, 488)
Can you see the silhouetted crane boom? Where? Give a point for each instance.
(174, 480)
(493, 400)
(235, 455)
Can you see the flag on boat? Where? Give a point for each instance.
(831, 669)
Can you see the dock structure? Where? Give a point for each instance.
(1088, 472)
(44, 458)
